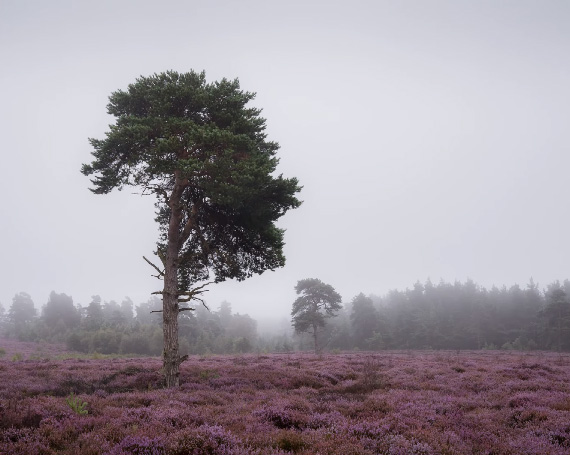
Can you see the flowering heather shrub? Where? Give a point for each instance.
(481, 402)
(282, 416)
(139, 445)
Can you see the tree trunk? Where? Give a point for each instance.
(171, 359)
(315, 338)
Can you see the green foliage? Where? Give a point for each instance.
(76, 404)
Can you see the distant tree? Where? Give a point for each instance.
(94, 314)
(225, 313)
(242, 326)
(317, 302)
(557, 315)
(22, 310)
(113, 314)
(127, 309)
(364, 321)
(338, 332)
(204, 155)
(59, 311)
(147, 312)
(242, 345)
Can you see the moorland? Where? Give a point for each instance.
(389, 402)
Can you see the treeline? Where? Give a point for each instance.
(455, 316)
(427, 316)
(124, 328)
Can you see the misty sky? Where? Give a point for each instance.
(431, 137)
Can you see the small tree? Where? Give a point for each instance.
(317, 302)
(204, 155)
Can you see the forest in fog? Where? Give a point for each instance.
(460, 315)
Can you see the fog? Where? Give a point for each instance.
(431, 140)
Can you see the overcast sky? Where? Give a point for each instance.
(432, 139)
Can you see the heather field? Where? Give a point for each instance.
(354, 403)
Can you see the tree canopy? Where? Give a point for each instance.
(197, 145)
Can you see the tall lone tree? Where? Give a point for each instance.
(317, 302)
(204, 154)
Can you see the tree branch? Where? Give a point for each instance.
(160, 273)
(187, 296)
(187, 229)
(198, 290)
(157, 189)
(188, 299)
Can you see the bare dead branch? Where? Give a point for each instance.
(182, 359)
(160, 272)
(156, 311)
(197, 290)
(150, 189)
(187, 299)
(185, 309)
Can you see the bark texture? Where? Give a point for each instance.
(315, 338)
(171, 358)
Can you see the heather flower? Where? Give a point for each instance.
(139, 445)
(278, 404)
